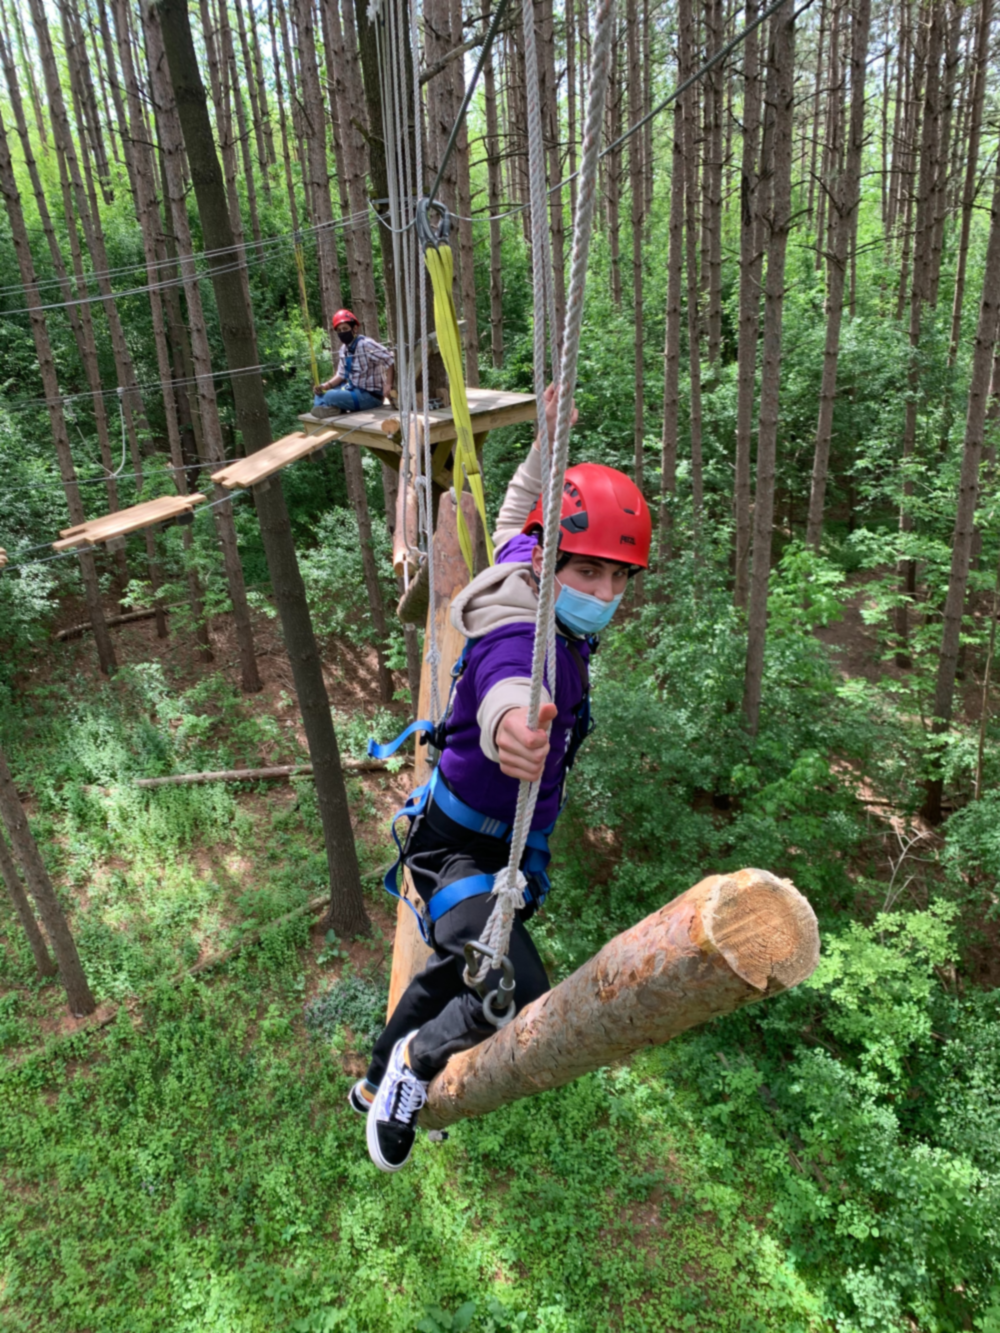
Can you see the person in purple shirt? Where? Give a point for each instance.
(459, 838)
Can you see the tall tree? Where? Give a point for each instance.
(751, 260)
(45, 966)
(672, 332)
(71, 973)
(778, 224)
(968, 494)
(347, 910)
(53, 399)
(844, 196)
(977, 98)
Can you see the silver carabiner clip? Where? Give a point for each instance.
(498, 1004)
(428, 234)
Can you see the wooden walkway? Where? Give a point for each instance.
(145, 515)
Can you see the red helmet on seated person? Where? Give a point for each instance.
(604, 516)
(344, 317)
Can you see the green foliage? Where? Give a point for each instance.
(353, 1002)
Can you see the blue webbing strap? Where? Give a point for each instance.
(415, 805)
(376, 751)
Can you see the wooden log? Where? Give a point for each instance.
(410, 953)
(729, 941)
(257, 774)
(126, 618)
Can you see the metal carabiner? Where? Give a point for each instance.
(498, 1004)
(426, 233)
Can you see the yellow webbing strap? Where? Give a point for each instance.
(300, 265)
(441, 266)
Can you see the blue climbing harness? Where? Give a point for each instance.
(436, 790)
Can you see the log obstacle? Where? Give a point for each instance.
(276, 771)
(727, 942)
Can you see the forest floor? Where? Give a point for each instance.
(210, 1175)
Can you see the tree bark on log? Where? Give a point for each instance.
(347, 909)
(727, 942)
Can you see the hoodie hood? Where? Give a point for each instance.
(504, 594)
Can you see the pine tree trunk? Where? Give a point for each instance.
(939, 192)
(286, 154)
(613, 171)
(783, 59)
(253, 88)
(467, 275)
(171, 142)
(979, 75)
(672, 334)
(359, 502)
(918, 295)
(26, 850)
(844, 200)
(54, 402)
(44, 963)
(968, 494)
(233, 90)
(347, 910)
(79, 315)
(751, 260)
(136, 145)
(551, 134)
(638, 198)
(493, 193)
(691, 120)
(713, 183)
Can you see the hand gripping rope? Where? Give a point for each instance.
(509, 884)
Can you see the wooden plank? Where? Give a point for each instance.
(257, 466)
(143, 515)
(410, 954)
(489, 409)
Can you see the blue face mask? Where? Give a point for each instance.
(582, 612)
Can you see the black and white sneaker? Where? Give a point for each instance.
(356, 1098)
(392, 1120)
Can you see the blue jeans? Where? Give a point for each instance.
(348, 400)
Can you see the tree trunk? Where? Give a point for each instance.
(637, 191)
(54, 402)
(253, 89)
(844, 201)
(712, 184)
(939, 191)
(171, 142)
(685, 30)
(729, 941)
(347, 909)
(672, 334)
(918, 294)
(79, 315)
(493, 194)
(319, 171)
(232, 88)
(286, 153)
(783, 58)
(613, 171)
(751, 260)
(968, 494)
(44, 964)
(40, 886)
(979, 75)
(359, 502)
(552, 136)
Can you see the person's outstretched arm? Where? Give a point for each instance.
(526, 484)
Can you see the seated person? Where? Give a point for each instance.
(364, 373)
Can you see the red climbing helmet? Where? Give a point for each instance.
(344, 317)
(603, 515)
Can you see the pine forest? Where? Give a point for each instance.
(282, 287)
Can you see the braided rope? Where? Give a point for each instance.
(509, 885)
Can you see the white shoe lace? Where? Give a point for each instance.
(410, 1097)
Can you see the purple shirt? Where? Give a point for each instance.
(497, 655)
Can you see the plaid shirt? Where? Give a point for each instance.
(367, 361)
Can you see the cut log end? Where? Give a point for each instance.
(764, 928)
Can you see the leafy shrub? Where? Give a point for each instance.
(354, 1002)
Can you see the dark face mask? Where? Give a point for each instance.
(345, 335)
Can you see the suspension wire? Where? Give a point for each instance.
(148, 386)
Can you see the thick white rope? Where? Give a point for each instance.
(509, 884)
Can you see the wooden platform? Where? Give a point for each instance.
(259, 466)
(381, 430)
(143, 515)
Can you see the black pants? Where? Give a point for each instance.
(449, 1014)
